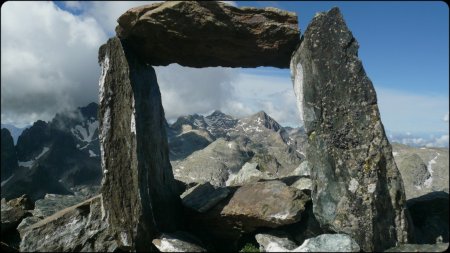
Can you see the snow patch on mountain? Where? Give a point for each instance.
(92, 154)
(86, 131)
(29, 164)
(6, 180)
(429, 180)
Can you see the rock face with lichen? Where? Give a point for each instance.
(81, 228)
(356, 186)
(138, 186)
(209, 34)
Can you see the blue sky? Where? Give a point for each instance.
(403, 46)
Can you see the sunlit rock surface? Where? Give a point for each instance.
(209, 34)
(356, 186)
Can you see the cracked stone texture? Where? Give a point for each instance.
(81, 228)
(210, 34)
(267, 204)
(138, 186)
(356, 186)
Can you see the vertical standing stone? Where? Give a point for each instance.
(357, 188)
(138, 186)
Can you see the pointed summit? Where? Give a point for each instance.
(262, 118)
(216, 113)
(89, 111)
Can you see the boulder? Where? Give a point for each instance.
(438, 247)
(304, 169)
(23, 202)
(203, 196)
(13, 211)
(178, 242)
(247, 174)
(356, 186)
(329, 243)
(53, 203)
(279, 237)
(83, 227)
(210, 34)
(321, 243)
(429, 213)
(417, 169)
(303, 183)
(212, 164)
(266, 204)
(26, 222)
(138, 187)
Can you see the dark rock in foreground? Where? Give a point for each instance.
(138, 187)
(83, 227)
(356, 186)
(13, 211)
(203, 196)
(209, 34)
(430, 217)
(439, 247)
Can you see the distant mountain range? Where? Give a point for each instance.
(63, 154)
(52, 157)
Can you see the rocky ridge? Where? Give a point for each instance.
(64, 153)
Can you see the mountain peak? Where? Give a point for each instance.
(216, 113)
(89, 111)
(262, 118)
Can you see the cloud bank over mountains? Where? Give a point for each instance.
(49, 64)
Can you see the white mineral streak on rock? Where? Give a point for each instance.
(133, 116)
(102, 208)
(101, 82)
(298, 89)
(124, 239)
(353, 185)
(280, 216)
(104, 132)
(106, 121)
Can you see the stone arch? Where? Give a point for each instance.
(132, 135)
(208, 34)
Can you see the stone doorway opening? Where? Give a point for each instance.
(132, 127)
(254, 135)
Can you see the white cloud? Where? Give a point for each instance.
(107, 12)
(420, 139)
(232, 3)
(73, 5)
(404, 111)
(189, 90)
(48, 61)
(445, 118)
